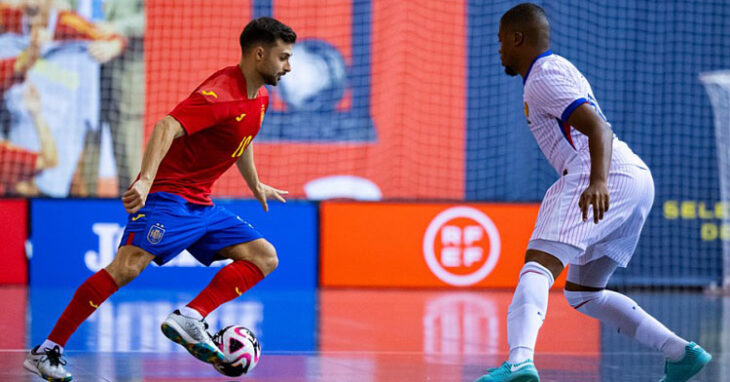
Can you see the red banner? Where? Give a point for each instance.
(14, 223)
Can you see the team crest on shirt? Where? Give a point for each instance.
(527, 113)
(155, 234)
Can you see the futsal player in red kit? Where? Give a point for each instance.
(169, 204)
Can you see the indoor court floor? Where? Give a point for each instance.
(357, 335)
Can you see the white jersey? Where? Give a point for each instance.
(554, 88)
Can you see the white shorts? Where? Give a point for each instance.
(561, 232)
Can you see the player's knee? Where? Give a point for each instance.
(582, 300)
(534, 267)
(123, 273)
(259, 252)
(268, 259)
(546, 260)
(127, 265)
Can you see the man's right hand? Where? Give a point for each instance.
(136, 196)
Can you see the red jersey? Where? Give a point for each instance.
(220, 122)
(16, 164)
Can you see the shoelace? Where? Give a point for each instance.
(216, 338)
(54, 356)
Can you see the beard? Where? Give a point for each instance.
(271, 79)
(510, 72)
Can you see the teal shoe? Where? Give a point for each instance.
(519, 372)
(695, 358)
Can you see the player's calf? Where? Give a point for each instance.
(129, 262)
(48, 364)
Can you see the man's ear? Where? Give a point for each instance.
(259, 52)
(519, 38)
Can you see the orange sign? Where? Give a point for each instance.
(424, 245)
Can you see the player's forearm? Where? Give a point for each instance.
(165, 131)
(247, 168)
(49, 154)
(600, 144)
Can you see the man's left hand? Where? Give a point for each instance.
(263, 192)
(595, 195)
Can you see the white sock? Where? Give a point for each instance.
(671, 345)
(49, 344)
(622, 313)
(675, 348)
(527, 311)
(189, 312)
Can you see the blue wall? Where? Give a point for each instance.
(74, 238)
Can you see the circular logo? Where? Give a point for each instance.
(318, 79)
(461, 246)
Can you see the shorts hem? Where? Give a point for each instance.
(565, 252)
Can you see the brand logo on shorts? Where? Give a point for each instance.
(461, 246)
(155, 233)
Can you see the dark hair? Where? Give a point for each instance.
(531, 20)
(525, 13)
(265, 30)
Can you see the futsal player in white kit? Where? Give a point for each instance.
(575, 225)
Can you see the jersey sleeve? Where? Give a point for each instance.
(195, 113)
(71, 26)
(555, 93)
(17, 164)
(7, 72)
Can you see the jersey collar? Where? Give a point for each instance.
(545, 54)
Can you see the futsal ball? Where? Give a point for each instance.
(240, 348)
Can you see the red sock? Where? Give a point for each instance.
(95, 290)
(230, 282)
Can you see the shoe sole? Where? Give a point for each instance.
(526, 378)
(704, 359)
(201, 351)
(34, 370)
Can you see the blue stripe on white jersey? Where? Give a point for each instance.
(554, 89)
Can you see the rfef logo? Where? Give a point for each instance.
(461, 246)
